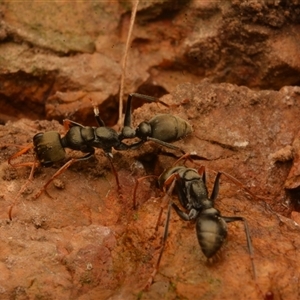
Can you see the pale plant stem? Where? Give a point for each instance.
(124, 61)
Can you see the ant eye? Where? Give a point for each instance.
(37, 137)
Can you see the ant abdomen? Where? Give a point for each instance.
(164, 127)
(211, 231)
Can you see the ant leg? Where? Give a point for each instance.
(135, 204)
(215, 191)
(185, 157)
(30, 178)
(188, 156)
(128, 112)
(57, 173)
(170, 181)
(168, 145)
(127, 130)
(184, 216)
(247, 232)
(139, 143)
(201, 171)
(69, 123)
(164, 239)
(124, 146)
(193, 214)
(109, 156)
(238, 183)
(19, 153)
(61, 170)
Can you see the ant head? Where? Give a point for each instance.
(48, 148)
(144, 130)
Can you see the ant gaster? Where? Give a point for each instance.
(50, 147)
(190, 187)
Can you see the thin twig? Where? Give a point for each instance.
(124, 61)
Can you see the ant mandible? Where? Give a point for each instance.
(50, 147)
(190, 187)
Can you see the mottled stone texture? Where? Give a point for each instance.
(230, 68)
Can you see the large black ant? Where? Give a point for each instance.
(190, 187)
(50, 147)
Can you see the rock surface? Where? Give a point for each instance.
(86, 242)
(82, 239)
(57, 57)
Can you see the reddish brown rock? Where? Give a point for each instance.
(87, 242)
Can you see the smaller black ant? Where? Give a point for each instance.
(190, 187)
(50, 147)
